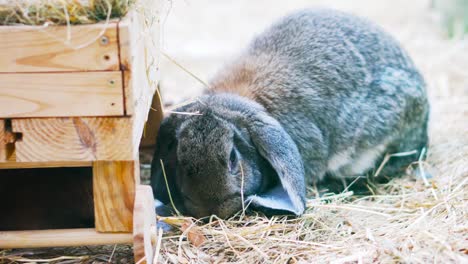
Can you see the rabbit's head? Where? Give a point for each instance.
(231, 153)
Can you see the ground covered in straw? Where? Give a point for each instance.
(408, 220)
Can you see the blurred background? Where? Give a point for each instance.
(201, 35)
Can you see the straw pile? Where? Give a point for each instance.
(406, 221)
(61, 12)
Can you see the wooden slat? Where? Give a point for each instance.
(144, 222)
(50, 164)
(73, 139)
(61, 94)
(40, 49)
(155, 116)
(61, 238)
(3, 147)
(114, 195)
(140, 62)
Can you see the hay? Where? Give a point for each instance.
(61, 12)
(404, 222)
(88, 254)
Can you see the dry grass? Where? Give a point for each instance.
(408, 220)
(91, 254)
(61, 12)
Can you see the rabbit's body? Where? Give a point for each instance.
(342, 90)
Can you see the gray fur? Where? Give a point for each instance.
(319, 93)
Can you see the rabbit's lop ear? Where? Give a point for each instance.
(166, 151)
(277, 147)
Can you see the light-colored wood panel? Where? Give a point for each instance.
(59, 48)
(60, 238)
(139, 53)
(144, 222)
(73, 139)
(114, 195)
(50, 164)
(61, 94)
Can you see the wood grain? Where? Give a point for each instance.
(40, 49)
(60, 238)
(144, 222)
(73, 139)
(49, 164)
(151, 129)
(61, 94)
(139, 53)
(114, 195)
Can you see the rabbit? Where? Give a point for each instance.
(320, 94)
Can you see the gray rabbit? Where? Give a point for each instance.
(319, 94)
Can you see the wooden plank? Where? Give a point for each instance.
(155, 116)
(61, 238)
(126, 60)
(50, 164)
(139, 53)
(61, 94)
(114, 195)
(59, 48)
(144, 222)
(73, 139)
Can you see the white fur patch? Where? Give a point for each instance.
(339, 160)
(366, 159)
(350, 163)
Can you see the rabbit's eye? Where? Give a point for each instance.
(232, 159)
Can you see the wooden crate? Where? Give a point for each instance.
(79, 96)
